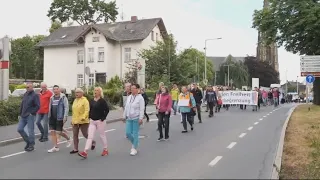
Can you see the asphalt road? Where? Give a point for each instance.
(234, 144)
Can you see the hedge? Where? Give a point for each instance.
(9, 110)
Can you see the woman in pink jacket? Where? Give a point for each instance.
(164, 104)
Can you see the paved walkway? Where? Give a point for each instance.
(10, 132)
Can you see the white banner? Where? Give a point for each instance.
(240, 97)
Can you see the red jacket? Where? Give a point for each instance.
(44, 101)
(164, 103)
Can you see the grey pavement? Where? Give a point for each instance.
(213, 150)
(9, 133)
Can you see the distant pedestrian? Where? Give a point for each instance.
(98, 113)
(146, 102)
(164, 105)
(156, 96)
(58, 114)
(28, 109)
(211, 98)
(197, 94)
(186, 105)
(133, 116)
(174, 95)
(275, 94)
(80, 119)
(42, 115)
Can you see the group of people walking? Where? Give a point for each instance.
(50, 110)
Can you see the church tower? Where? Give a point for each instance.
(267, 53)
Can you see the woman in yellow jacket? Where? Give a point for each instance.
(80, 119)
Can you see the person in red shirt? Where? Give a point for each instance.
(164, 105)
(42, 114)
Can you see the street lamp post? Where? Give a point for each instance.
(297, 85)
(205, 55)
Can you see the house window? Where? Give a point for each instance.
(156, 37)
(91, 79)
(80, 57)
(80, 80)
(101, 54)
(127, 55)
(95, 39)
(152, 35)
(90, 55)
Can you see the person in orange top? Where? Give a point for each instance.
(42, 114)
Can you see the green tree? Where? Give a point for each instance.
(293, 24)
(262, 70)
(26, 60)
(238, 73)
(158, 58)
(54, 26)
(192, 61)
(164, 64)
(83, 11)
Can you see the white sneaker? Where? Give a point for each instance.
(133, 152)
(54, 149)
(68, 143)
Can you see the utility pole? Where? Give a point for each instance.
(205, 55)
(215, 78)
(286, 81)
(169, 57)
(228, 73)
(297, 85)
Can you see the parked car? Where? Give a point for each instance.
(20, 92)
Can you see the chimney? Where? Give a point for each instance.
(134, 19)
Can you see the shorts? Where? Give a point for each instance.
(55, 125)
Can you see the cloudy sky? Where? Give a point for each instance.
(191, 21)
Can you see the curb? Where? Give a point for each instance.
(278, 158)
(19, 139)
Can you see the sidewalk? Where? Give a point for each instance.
(9, 134)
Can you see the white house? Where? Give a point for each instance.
(83, 55)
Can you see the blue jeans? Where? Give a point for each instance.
(132, 131)
(29, 122)
(45, 128)
(174, 106)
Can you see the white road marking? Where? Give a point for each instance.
(152, 120)
(270, 112)
(256, 123)
(264, 116)
(22, 152)
(231, 145)
(260, 119)
(14, 154)
(250, 128)
(215, 161)
(242, 135)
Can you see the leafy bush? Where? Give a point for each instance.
(9, 111)
(21, 86)
(12, 87)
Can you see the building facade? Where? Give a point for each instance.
(268, 53)
(80, 56)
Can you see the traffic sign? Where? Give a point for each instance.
(310, 78)
(310, 65)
